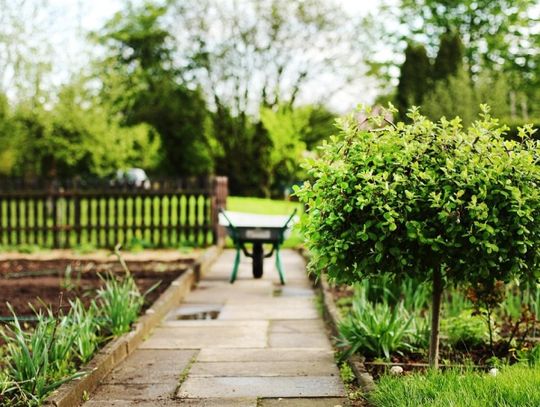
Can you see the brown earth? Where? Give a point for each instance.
(28, 284)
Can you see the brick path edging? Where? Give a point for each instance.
(71, 394)
(331, 316)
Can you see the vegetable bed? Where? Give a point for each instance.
(60, 319)
(27, 284)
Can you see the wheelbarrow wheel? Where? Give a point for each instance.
(258, 258)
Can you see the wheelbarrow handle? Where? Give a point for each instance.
(290, 218)
(231, 226)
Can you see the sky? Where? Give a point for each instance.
(73, 19)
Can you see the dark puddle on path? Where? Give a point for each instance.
(199, 315)
(195, 312)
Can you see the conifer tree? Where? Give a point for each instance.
(449, 58)
(414, 78)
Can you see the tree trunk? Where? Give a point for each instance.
(435, 318)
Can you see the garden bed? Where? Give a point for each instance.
(387, 325)
(32, 283)
(85, 326)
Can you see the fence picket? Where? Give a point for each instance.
(52, 215)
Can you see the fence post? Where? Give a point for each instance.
(219, 201)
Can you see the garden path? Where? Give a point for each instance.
(267, 346)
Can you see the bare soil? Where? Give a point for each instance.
(29, 284)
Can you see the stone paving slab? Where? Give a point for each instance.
(219, 291)
(298, 339)
(218, 402)
(272, 308)
(190, 310)
(217, 323)
(297, 386)
(151, 391)
(267, 347)
(294, 326)
(294, 291)
(263, 369)
(211, 336)
(152, 366)
(303, 402)
(131, 403)
(266, 355)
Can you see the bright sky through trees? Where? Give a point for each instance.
(65, 24)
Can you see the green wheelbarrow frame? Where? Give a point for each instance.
(259, 235)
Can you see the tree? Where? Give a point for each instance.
(75, 137)
(449, 59)
(496, 35)
(8, 138)
(250, 55)
(414, 80)
(141, 83)
(493, 89)
(321, 125)
(242, 152)
(492, 30)
(451, 97)
(430, 200)
(285, 127)
(25, 47)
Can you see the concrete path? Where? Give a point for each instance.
(263, 344)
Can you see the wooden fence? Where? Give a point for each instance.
(182, 212)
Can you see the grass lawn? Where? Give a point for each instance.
(267, 207)
(516, 385)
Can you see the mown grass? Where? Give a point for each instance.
(517, 385)
(264, 206)
(261, 205)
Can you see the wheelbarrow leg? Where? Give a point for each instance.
(279, 266)
(236, 264)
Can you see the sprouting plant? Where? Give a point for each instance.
(531, 356)
(85, 323)
(346, 373)
(68, 283)
(120, 300)
(38, 361)
(375, 329)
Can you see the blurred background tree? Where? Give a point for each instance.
(247, 88)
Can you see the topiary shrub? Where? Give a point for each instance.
(434, 201)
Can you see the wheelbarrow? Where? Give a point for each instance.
(245, 228)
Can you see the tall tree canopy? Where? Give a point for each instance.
(414, 80)
(449, 59)
(141, 82)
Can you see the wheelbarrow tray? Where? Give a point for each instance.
(257, 229)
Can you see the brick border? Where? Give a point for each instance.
(331, 316)
(72, 393)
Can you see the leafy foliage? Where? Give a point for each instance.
(285, 127)
(120, 301)
(449, 58)
(424, 198)
(41, 360)
(375, 329)
(141, 84)
(465, 329)
(409, 198)
(385, 318)
(38, 360)
(414, 78)
(452, 96)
